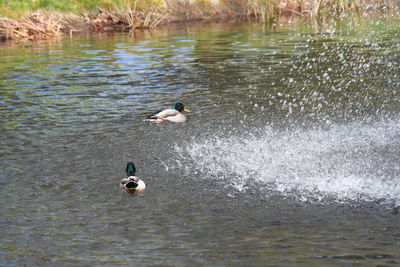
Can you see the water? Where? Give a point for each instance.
(290, 155)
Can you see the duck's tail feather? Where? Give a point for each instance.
(152, 117)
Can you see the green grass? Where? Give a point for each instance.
(20, 8)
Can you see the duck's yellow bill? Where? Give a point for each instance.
(186, 110)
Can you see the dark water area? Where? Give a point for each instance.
(290, 156)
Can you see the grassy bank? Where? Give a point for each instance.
(41, 19)
(21, 8)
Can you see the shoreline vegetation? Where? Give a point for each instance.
(46, 19)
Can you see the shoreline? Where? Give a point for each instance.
(43, 25)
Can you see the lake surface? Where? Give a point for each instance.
(290, 156)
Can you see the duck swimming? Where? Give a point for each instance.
(171, 114)
(132, 184)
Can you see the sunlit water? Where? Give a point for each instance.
(291, 155)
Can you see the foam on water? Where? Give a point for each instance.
(350, 162)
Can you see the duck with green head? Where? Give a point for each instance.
(173, 114)
(132, 184)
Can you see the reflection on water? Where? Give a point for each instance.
(290, 156)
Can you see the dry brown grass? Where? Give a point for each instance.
(140, 20)
(44, 25)
(39, 25)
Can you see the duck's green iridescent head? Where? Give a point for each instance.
(179, 107)
(130, 169)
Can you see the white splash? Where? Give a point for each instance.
(349, 162)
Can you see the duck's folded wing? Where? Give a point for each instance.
(166, 113)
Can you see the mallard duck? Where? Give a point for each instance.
(132, 184)
(171, 114)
